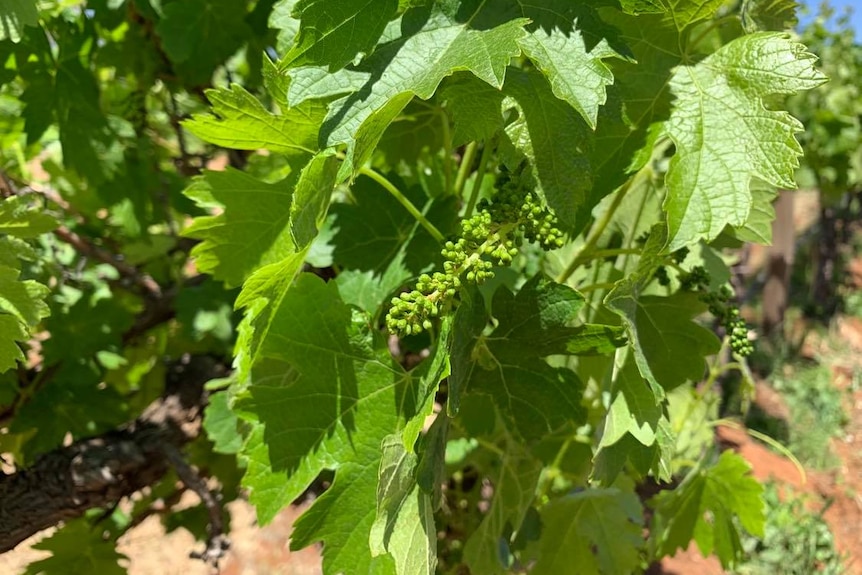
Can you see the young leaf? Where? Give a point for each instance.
(220, 423)
(635, 430)
(724, 132)
(239, 121)
(637, 106)
(758, 227)
(776, 15)
(703, 508)
(261, 222)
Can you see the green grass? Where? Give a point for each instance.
(816, 413)
(796, 541)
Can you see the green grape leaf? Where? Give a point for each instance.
(24, 300)
(637, 105)
(758, 227)
(643, 6)
(471, 317)
(539, 318)
(475, 107)
(633, 408)
(260, 222)
(429, 374)
(436, 42)
(555, 139)
(387, 229)
(77, 548)
(241, 122)
(11, 332)
(724, 132)
(281, 19)
(220, 423)
(22, 304)
(514, 477)
(404, 526)
(572, 63)
(642, 460)
(261, 295)
(18, 219)
(324, 393)
(655, 332)
(431, 473)
(413, 544)
(661, 326)
(366, 290)
(14, 15)
(683, 13)
(512, 384)
(775, 15)
(333, 34)
(592, 531)
(199, 35)
(531, 325)
(704, 506)
(85, 135)
(636, 429)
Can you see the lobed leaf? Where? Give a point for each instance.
(705, 507)
(725, 135)
(592, 531)
(435, 42)
(333, 34)
(241, 122)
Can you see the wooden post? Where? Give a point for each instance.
(779, 264)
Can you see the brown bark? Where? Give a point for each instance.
(99, 471)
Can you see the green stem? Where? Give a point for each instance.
(477, 183)
(765, 439)
(447, 149)
(402, 199)
(598, 286)
(585, 254)
(597, 254)
(464, 168)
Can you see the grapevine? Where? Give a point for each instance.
(491, 236)
(721, 306)
(258, 212)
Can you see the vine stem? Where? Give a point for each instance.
(447, 148)
(598, 286)
(586, 252)
(464, 168)
(402, 199)
(477, 183)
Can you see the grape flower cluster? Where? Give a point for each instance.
(721, 306)
(492, 235)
